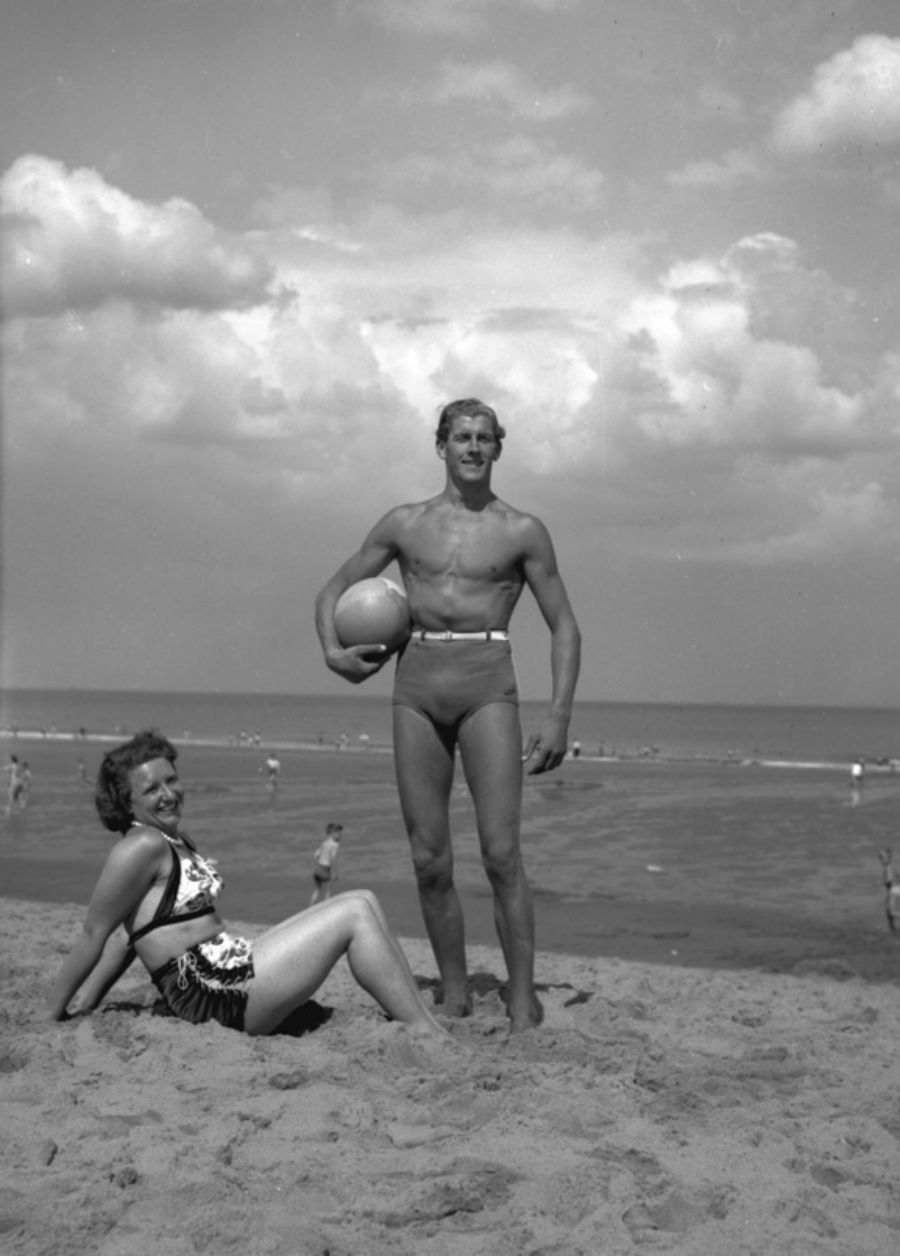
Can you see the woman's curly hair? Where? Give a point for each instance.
(112, 796)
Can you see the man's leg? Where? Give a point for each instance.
(491, 746)
(423, 760)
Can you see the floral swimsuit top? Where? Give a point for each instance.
(191, 890)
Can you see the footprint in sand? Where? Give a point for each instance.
(675, 1213)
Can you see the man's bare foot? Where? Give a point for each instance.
(528, 1017)
(453, 1002)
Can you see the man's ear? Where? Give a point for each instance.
(440, 448)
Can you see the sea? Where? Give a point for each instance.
(696, 835)
(814, 735)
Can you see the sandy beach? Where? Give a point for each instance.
(717, 1071)
(657, 1110)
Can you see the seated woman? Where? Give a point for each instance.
(160, 888)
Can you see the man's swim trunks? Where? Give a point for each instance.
(209, 981)
(448, 681)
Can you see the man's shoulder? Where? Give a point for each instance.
(406, 511)
(408, 515)
(512, 517)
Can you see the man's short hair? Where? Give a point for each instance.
(471, 408)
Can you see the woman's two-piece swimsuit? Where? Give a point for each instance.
(210, 980)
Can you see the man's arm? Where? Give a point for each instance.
(546, 749)
(359, 662)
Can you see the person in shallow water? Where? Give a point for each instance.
(156, 898)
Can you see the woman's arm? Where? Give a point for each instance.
(118, 956)
(81, 961)
(130, 870)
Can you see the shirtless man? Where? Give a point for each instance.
(465, 557)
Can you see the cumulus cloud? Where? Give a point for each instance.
(693, 409)
(784, 462)
(719, 383)
(854, 97)
(498, 83)
(72, 242)
(707, 404)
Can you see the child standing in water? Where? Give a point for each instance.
(325, 870)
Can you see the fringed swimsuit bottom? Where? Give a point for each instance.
(210, 980)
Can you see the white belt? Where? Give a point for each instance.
(489, 634)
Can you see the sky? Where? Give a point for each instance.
(251, 247)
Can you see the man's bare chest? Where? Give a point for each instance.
(475, 550)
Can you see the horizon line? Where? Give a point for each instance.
(356, 696)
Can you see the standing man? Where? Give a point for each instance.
(465, 556)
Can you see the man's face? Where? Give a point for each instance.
(471, 447)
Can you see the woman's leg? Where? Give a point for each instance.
(293, 959)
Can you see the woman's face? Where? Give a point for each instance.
(156, 795)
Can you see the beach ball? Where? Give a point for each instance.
(372, 612)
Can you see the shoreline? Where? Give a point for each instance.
(682, 865)
(889, 766)
(713, 936)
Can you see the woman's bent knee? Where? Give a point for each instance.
(361, 907)
(361, 897)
